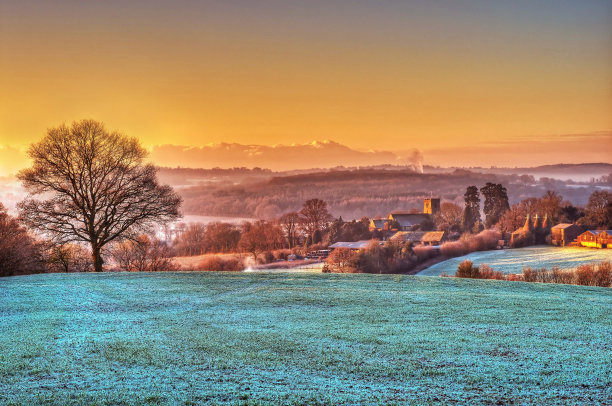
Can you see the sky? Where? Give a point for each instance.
(463, 81)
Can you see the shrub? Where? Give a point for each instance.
(585, 274)
(485, 240)
(143, 254)
(559, 275)
(523, 239)
(217, 263)
(68, 258)
(603, 276)
(342, 260)
(282, 254)
(588, 274)
(424, 252)
(529, 274)
(454, 249)
(466, 269)
(19, 252)
(268, 257)
(486, 272)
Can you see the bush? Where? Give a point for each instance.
(424, 252)
(342, 260)
(603, 276)
(483, 241)
(454, 249)
(523, 239)
(529, 274)
(466, 269)
(268, 257)
(20, 253)
(595, 274)
(282, 254)
(143, 254)
(486, 272)
(68, 258)
(585, 274)
(216, 263)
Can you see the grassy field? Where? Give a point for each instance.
(513, 260)
(250, 338)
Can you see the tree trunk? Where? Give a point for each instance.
(97, 259)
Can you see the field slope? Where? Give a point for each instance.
(188, 338)
(513, 260)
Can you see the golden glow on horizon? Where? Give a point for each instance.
(194, 84)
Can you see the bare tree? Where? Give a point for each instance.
(96, 187)
(143, 254)
(315, 215)
(289, 223)
(260, 236)
(190, 241)
(450, 214)
(67, 258)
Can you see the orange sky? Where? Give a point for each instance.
(427, 75)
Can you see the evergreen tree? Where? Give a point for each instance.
(471, 211)
(496, 202)
(335, 230)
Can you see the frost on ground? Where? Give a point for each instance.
(192, 338)
(513, 260)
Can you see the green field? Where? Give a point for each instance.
(193, 338)
(513, 260)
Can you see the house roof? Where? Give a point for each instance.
(563, 225)
(355, 245)
(407, 219)
(597, 232)
(414, 236)
(379, 223)
(433, 236)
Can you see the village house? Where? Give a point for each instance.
(565, 233)
(379, 224)
(414, 237)
(407, 220)
(420, 237)
(596, 239)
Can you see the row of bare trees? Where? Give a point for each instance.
(292, 229)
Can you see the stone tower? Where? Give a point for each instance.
(431, 206)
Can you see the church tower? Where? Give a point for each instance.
(431, 206)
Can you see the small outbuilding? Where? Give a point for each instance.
(565, 233)
(415, 237)
(433, 238)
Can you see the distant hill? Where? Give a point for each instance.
(576, 172)
(317, 154)
(353, 193)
